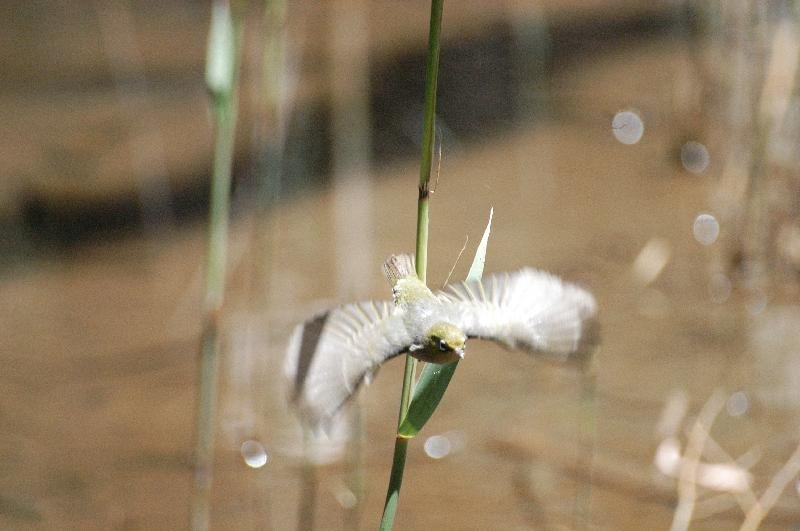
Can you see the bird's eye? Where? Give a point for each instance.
(443, 346)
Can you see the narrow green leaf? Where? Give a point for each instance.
(435, 378)
(476, 270)
(427, 394)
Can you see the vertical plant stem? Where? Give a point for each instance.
(352, 192)
(221, 77)
(429, 119)
(587, 439)
(308, 495)
(356, 480)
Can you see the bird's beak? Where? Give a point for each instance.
(460, 352)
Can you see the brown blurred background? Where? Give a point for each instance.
(106, 143)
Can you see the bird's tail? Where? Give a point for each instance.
(399, 266)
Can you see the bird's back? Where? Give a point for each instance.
(407, 288)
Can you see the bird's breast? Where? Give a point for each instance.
(420, 316)
(429, 355)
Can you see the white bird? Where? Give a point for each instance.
(330, 355)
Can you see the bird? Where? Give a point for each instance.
(330, 355)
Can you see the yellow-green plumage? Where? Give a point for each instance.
(442, 342)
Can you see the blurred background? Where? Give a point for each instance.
(647, 150)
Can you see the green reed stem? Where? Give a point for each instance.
(224, 44)
(308, 494)
(429, 119)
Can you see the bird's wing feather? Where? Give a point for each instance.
(328, 356)
(528, 309)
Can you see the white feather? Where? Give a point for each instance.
(527, 309)
(330, 355)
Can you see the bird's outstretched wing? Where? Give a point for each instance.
(329, 355)
(527, 309)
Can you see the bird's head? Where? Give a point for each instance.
(444, 342)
